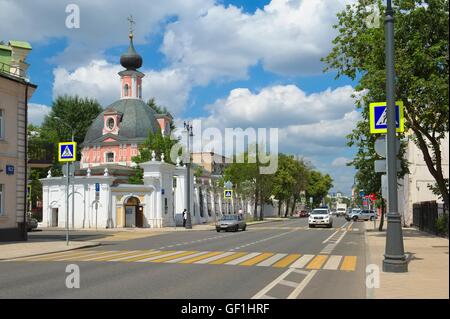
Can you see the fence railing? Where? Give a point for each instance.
(428, 215)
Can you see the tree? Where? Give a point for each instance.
(318, 186)
(160, 110)
(421, 64)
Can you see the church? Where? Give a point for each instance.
(99, 193)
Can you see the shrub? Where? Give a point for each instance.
(442, 224)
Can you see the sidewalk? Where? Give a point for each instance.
(428, 265)
(39, 247)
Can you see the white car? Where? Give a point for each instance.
(320, 216)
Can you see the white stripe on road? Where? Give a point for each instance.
(297, 291)
(277, 280)
(333, 263)
(242, 259)
(326, 240)
(91, 253)
(160, 256)
(141, 253)
(302, 261)
(271, 260)
(188, 257)
(207, 260)
(117, 253)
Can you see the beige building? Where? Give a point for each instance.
(15, 90)
(213, 163)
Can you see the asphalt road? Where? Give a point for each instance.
(271, 260)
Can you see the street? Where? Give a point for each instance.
(280, 260)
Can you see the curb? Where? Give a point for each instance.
(52, 252)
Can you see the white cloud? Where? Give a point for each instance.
(340, 162)
(37, 113)
(99, 79)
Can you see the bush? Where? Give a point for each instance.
(442, 224)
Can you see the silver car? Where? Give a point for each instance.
(364, 214)
(231, 222)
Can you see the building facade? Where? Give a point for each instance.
(15, 91)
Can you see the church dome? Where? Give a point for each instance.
(137, 119)
(131, 60)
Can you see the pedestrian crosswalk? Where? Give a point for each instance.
(127, 235)
(260, 259)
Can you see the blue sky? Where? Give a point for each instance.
(227, 63)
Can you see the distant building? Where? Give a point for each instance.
(211, 162)
(15, 91)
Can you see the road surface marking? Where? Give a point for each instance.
(263, 292)
(207, 255)
(140, 257)
(201, 253)
(53, 255)
(286, 261)
(349, 263)
(164, 253)
(317, 262)
(302, 261)
(108, 257)
(289, 283)
(167, 258)
(86, 254)
(256, 259)
(227, 259)
(136, 255)
(213, 258)
(326, 240)
(242, 259)
(297, 291)
(271, 260)
(332, 263)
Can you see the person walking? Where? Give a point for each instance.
(184, 217)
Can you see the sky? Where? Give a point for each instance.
(229, 63)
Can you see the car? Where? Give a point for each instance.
(361, 214)
(231, 222)
(32, 223)
(303, 213)
(341, 211)
(320, 216)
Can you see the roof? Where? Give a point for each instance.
(137, 119)
(20, 44)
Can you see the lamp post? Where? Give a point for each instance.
(189, 134)
(394, 257)
(72, 130)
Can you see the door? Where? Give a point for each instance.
(140, 216)
(54, 217)
(130, 216)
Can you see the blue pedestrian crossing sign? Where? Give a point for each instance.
(378, 117)
(67, 151)
(228, 193)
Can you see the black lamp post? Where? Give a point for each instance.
(394, 257)
(188, 130)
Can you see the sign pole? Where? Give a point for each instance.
(67, 203)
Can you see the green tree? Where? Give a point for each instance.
(318, 186)
(421, 64)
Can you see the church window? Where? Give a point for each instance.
(110, 123)
(125, 90)
(110, 157)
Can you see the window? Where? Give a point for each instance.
(1, 200)
(125, 90)
(2, 124)
(110, 123)
(110, 157)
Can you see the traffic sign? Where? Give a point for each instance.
(378, 117)
(361, 193)
(67, 151)
(228, 193)
(372, 197)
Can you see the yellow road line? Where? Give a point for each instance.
(51, 255)
(256, 259)
(349, 263)
(227, 259)
(163, 259)
(317, 262)
(110, 256)
(194, 259)
(286, 261)
(68, 255)
(151, 254)
(91, 254)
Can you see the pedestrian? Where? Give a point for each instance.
(184, 217)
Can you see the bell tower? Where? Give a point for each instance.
(131, 78)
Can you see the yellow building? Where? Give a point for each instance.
(15, 91)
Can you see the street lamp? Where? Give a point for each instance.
(394, 257)
(189, 134)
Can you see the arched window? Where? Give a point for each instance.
(110, 157)
(140, 91)
(126, 90)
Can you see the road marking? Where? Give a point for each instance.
(227, 259)
(263, 240)
(286, 261)
(332, 263)
(317, 262)
(201, 253)
(194, 259)
(213, 258)
(242, 259)
(81, 255)
(256, 259)
(53, 255)
(271, 260)
(108, 256)
(167, 258)
(276, 281)
(302, 261)
(349, 263)
(165, 253)
(289, 283)
(297, 291)
(141, 253)
(326, 240)
(140, 257)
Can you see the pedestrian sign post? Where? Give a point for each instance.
(67, 152)
(378, 117)
(228, 193)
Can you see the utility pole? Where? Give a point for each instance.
(394, 257)
(188, 129)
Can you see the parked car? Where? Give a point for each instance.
(303, 213)
(32, 223)
(231, 222)
(364, 214)
(320, 216)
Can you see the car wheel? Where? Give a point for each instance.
(355, 218)
(243, 229)
(218, 230)
(311, 226)
(237, 228)
(371, 218)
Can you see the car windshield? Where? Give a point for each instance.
(320, 212)
(229, 217)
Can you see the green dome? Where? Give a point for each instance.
(137, 119)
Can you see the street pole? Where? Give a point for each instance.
(188, 128)
(394, 257)
(73, 192)
(67, 203)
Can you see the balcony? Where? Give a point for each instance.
(40, 154)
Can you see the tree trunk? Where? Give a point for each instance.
(293, 205)
(286, 211)
(383, 209)
(261, 214)
(280, 202)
